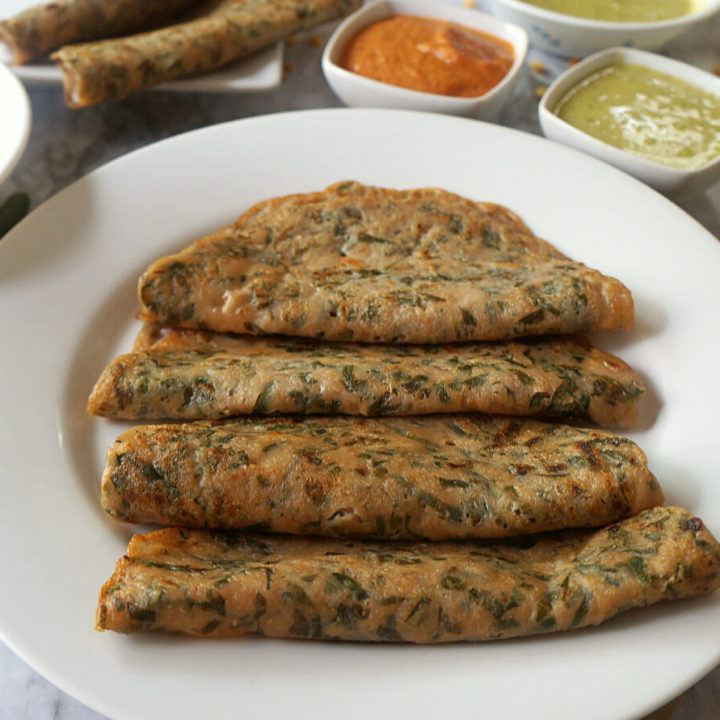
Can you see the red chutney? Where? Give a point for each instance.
(433, 56)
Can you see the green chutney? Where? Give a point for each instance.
(650, 113)
(622, 10)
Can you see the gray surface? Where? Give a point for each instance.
(66, 145)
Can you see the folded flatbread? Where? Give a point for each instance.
(229, 31)
(34, 33)
(203, 583)
(365, 264)
(439, 477)
(187, 375)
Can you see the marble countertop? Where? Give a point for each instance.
(65, 145)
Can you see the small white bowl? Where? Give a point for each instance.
(668, 180)
(572, 36)
(359, 91)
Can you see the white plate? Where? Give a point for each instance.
(15, 121)
(262, 71)
(68, 276)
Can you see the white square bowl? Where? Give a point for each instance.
(668, 180)
(359, 91)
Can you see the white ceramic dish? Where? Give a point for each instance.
(69, 273)
(15, 121)
(359, 91)
(572, 36)
(262, 71)
(668, 180)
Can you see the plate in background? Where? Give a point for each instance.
(69, 274)
(261, 71)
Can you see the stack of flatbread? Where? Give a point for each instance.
(101, 57)
(384, 428)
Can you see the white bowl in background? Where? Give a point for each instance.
(359, 91)
(668, 180)
(572, 36)
(15, 121)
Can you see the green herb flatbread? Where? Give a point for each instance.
(230, 30)
(437, 477)
(218, 585)
(34, 33)
(187, 375)
(363, 264)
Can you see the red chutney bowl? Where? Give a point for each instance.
(358, 90)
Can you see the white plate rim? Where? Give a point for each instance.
(323, 128)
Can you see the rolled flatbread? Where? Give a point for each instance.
(437, 477)
(34, 33)
(188, 375)
(231, 30)
(218, 585)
